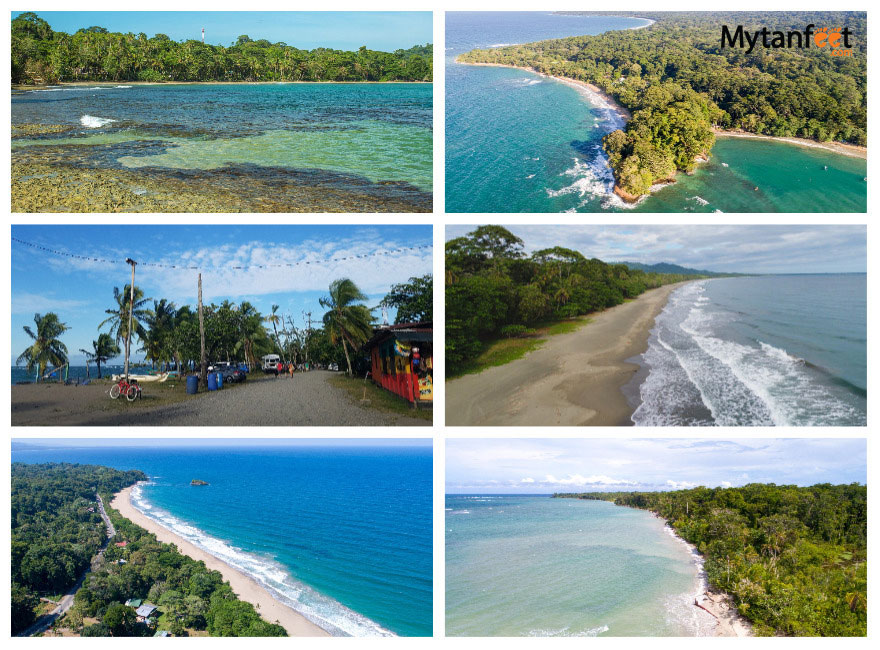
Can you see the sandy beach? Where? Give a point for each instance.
(852, 150)
(573, 379)
(245, 587)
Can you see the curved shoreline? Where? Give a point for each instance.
(574, 379)
(243, 585)
(842, 148)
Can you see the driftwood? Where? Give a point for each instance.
(696, 604)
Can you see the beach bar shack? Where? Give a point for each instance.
(402, 361)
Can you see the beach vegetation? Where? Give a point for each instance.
(491, 284)
(794, 559)
(41, 55)
(118, 315)
(46, 347)
(347, 320)
(104, 349)
(680, 85)
(413, 300)
(57, 534)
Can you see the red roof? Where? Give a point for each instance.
(122, 544)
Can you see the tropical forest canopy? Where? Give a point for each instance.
(236, 332)
(793, 558)
(57, 530)
(493, 287)
(679, 83)
(41, 55)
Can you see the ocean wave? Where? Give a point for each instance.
(593, 180)
(122, 86)
(566, 632)
(694, 365)
(698, 199)
(322, 610)
(92, 122)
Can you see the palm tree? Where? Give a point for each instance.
(160, 320)
(46, 347)
(346, 321)
(102, 350)
(118, 316)
(274, 318)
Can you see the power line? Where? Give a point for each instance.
(103, 260)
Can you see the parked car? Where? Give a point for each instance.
(230, 372)
(334, 367)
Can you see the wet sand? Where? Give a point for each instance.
(245, 587)
(730, 623)
(573, 379)
(851, 150)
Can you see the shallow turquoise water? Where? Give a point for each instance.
(381, 132)
(344, 535)
(536, 566)
(519, 142)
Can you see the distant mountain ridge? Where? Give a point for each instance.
(666, 267)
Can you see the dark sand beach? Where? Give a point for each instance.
(573, 379)
(305, 400)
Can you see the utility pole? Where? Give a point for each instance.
(203, 370)
(308, 336)
(128, 260)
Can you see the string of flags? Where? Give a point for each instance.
(103, 260)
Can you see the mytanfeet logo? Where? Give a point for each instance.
(836, 39)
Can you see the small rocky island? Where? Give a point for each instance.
(196, 481)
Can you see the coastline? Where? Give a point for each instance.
(244, 586)
(74, 84)
(717, 603)
(851, 150)
(574, 379)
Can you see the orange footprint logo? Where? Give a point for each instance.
(825, 36)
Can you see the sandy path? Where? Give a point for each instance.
(573, 379)
(245, 587)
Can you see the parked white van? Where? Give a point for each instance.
(270, 362)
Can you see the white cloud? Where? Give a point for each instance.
(578, 479)
(726, 484)
(528, 480)
(30, 303)
(680, 485)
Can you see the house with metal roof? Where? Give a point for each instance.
(145, 611)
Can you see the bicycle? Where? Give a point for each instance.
(131, 390)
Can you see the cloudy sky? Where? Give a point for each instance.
(79, 291)
(732, 249)
(524, 466)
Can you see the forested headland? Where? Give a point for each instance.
(680, 85)
(41, 55)
(56, 533)
(794, 559)
(493, 289)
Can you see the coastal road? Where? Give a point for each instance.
(66, 602)
(572, 379)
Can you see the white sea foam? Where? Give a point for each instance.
(698, 199)
(92, 122)
(592, 180)
(692, 361)
(322, 610)
(567, 632)
(123, 86)
(530, 176)
(725, 165)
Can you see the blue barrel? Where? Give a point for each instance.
(212, 381)
(192, 385)
(219, 380)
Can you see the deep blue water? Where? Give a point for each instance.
(343, 535)
(768, 350)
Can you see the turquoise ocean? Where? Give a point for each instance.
(342, 534)
(757, 351)
(537, 566)
(520, 142)
(375, 137)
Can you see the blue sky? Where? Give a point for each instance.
(79, 291)
(732, 249)
(524, 466)
(80, 443)
(378, 30)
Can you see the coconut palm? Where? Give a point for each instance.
(102, 350)
(346, 321)
(274, 318)
(118, 315)
(46, 348)
(160, 321)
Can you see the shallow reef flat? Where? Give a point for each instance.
(46, 179)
